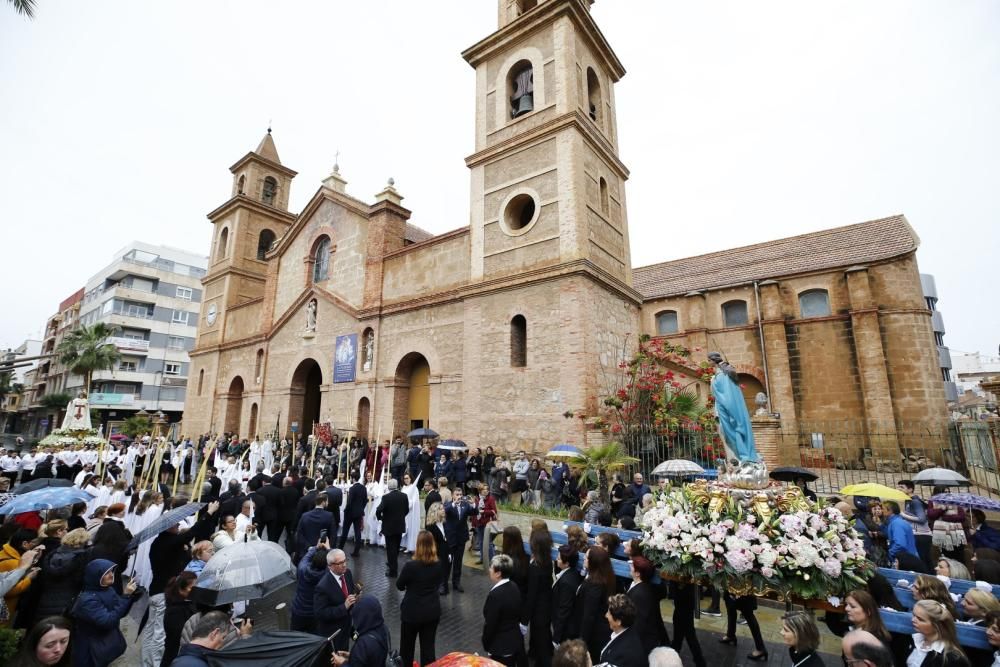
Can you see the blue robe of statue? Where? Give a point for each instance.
(734, 419)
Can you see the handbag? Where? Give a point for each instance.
(392, 658)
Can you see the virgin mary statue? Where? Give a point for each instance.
(734, 419)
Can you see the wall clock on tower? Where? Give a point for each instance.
(211, 314)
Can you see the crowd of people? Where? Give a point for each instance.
(69, 578)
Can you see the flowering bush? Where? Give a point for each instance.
(811, 552)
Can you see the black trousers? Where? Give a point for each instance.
(392, 543)
(745, 605)
(427, 631)
(457, 552)
(274, 530)
(303, 624)
(348, 523)
(686, 598)
(924, 544)
(519, 659)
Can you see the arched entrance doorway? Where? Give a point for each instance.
(304, 402)
(252, 433)
(364, 417)
(750, 386)
(234, 406)
(411, 406)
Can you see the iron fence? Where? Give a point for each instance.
(652, 448)
(850, 452)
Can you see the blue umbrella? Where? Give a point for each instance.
(163, 522)
(422, 433)
(566, 451)
(970, 500)
(51, 497)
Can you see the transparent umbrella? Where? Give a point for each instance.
(243, 571)
(677, 468)
(940, 477)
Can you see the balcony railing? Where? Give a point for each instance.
(133, 312)
(123, 343)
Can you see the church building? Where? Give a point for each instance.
(346, 313)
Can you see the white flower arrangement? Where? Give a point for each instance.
(753, 547)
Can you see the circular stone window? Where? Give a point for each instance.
(519, 212)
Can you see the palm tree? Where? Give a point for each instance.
(24, 7)
(86, 349)
(597, 461)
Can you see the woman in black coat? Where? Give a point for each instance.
(512, 544)
(801, 636)
(62, 578)
(646, 597)
(592, 601)
(537, 611)
(179, 610)
(420, 610)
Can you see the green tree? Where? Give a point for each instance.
(57, 402)
(135, 426)
(86, 349)
(598, 462)
(24, 7)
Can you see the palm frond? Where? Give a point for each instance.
(24, 7)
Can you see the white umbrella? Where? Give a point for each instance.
(940, 477)
(677, 468)
(244, 571)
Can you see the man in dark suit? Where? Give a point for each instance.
(502, 636)
(354, 512)
(456, 531)
(271, 494)
(333, 599)
(231, 501)
(564, 595)
(260, 476)
(311, 524)
(625, 648)
(392, 511)
(307, 501)
(286, 512)
(432, 494)
(334, 499)
(263, 510)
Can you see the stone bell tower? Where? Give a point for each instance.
(245, 227)
(547, 183)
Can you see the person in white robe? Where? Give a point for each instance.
(413, 522)
(143, 572)
(254, 454)
(267, 454)
(372, 526)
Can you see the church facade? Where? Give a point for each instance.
(346, 313)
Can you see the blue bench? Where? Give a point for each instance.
(624, 535)
(971, 636)
(959, 586)
(618, 565)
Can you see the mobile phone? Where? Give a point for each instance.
(322, 535)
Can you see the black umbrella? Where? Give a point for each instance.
(792, 473)
(42, 483)
(422, 433)
(163, 522)
(273, 649)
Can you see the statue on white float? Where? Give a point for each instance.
(77, 414)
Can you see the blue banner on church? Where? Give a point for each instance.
(345, 358)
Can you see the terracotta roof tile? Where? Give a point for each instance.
(862, 243)
(414, 234)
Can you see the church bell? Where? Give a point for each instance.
(522, 105)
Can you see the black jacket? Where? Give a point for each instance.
(272, 495)
(328, 606)
(175, 616)
(591, 605)
(392, 511)
(648, 619)
(432, 497)
(440, 542)
(501, 616)
(951, 659)
(420, 581)
(310, 525)
(456, 522)
(287, 503)
(169, 553)
(306, 504)
(809, 660)
(357, 499)
(61, 581)
(334, 499)
(625, 650)
(231, 504)
(564, 624)
(263, 511)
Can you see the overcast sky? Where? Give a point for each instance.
(740, 122)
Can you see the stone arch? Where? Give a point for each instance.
(305, 396)
(309, 261)
(751, 386)
(364, 417)
(411, 406)
(234, 405)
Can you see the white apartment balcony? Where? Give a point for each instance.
(129, 344)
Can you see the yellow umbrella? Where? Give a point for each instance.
(873, 490)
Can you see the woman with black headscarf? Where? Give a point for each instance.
(371, 637)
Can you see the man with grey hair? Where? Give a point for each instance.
(664, 656)
(333, 599)
(502, 637)
(392, 511)
(863, 649)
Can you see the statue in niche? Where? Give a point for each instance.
(369, 350)
(311, 315)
